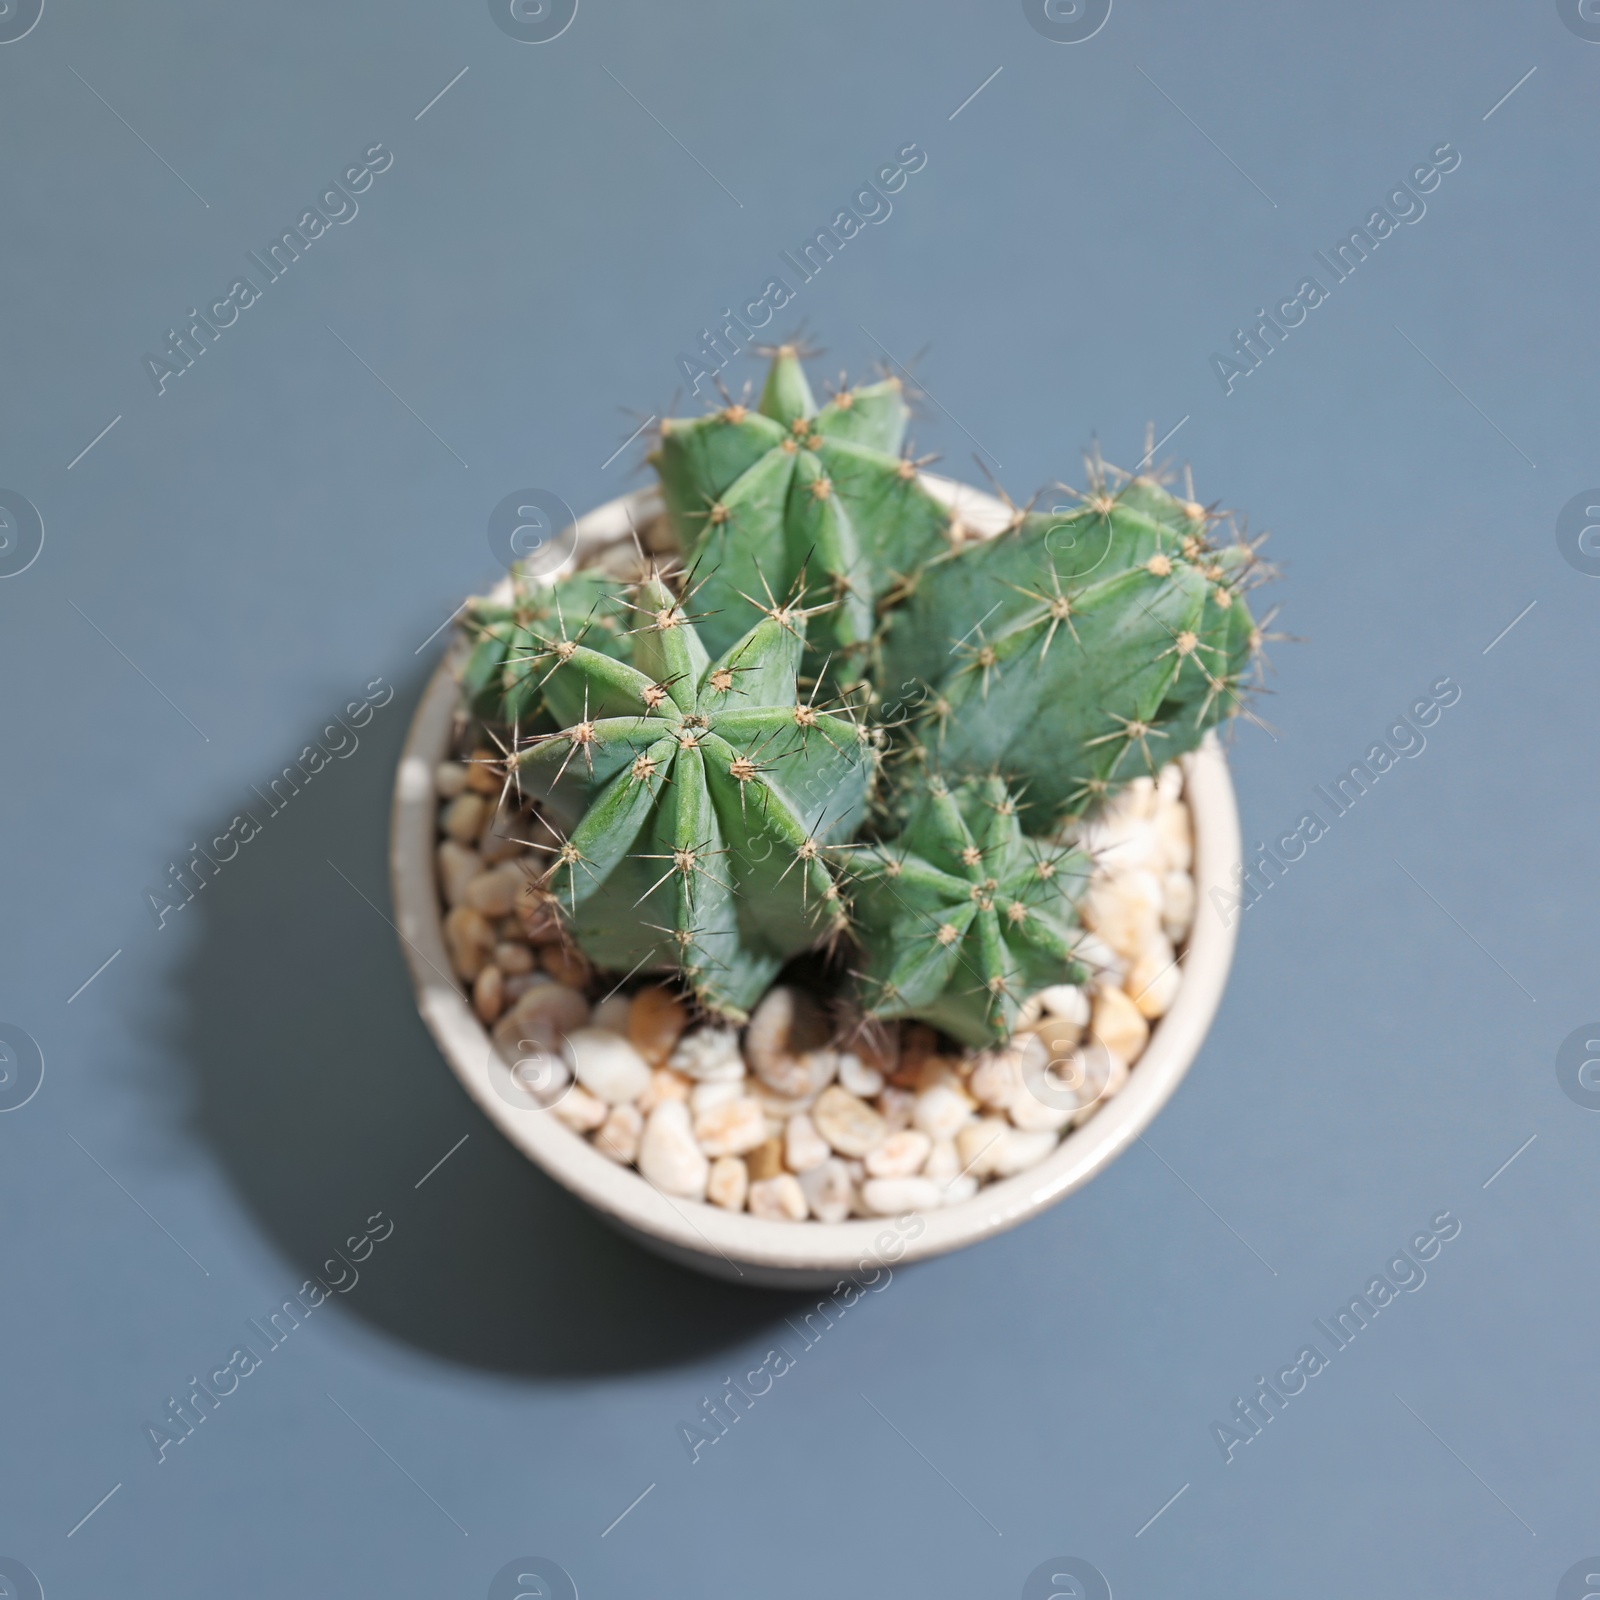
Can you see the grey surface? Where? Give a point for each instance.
(278, 529)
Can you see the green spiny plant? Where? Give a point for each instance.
(893, 756)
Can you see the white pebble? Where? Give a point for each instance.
(850, 1125)
(1020, 1150)
(707, 1055)
(979, 1145)
(943, 1163)
(940, 1112)
(1177, 916)
(803, 1147)
(900, 1155)
(1066, 1000)
(779, 1199)
(728, 1184)
(958, 1189)
(861, 1080)
(732, 1128)
(707, 1096)
(606, 1064)
(888, 1197)
(997, 1076)
(828, 1190)
(895, 1107)
(619, 1134)
(580, 1110)
(668, 1155)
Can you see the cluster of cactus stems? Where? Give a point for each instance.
(834, 718)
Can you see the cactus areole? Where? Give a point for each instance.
(825, 716)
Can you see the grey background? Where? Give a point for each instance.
(278, 529)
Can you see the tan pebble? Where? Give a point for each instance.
(1117, 1024)
(1020, 1150)
(620, 1133)
(489, 994)
(668, 1154)
(458, 866)
(943, 1072)
(481, 776)
(900, 1155)
(1177, 897)
(917, 1042)
(656, 1019)
(495, 891)
(978, 1144)
(803, 1147)
(941, 1111)
(850, 1125)
(469, 939)
(566, 964)
(1177, 843)
(580, 1110)
(463, 818)
(784, 1025)
(766, 1160)
(1059, 1036)
(538, 915)
(513, 957)
(544, 1014)
(779, 1199)
(1125, 910)
(728, 1184)
(517, 984)
(1055, 1110)
(829, 1191)
(503, 835)
(449, 779)
(1153, 979)
(664, 1085)
(612, 1013)
(732, 1128)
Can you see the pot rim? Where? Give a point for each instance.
(707, 1236)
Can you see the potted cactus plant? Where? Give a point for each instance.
(814, 755)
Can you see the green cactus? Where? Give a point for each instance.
(512, 644)
(1074, 651)
(755, 498)
(961, 916)
(697, 797)
(710, 815)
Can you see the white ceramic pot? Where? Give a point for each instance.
(735, 1245)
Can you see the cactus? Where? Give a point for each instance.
(697, 797)
(755, 498)
(705, 756)
(961, 915)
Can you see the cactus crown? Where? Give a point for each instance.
(895, 755)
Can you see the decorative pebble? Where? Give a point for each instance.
(620, 1133)
(828, 1189)
(612, 1013)
(941, 1111)
(656, 1020)
(489, 994)
(705, 1096)
(1106, 1072)
(731, 1129)
(850, 1125)
(861, 1080)
(545, 1011)
(979, 1144)
(449, 779)
(889, 1197)
(900, 1155)
(1153, 979)
(895, 1106)
(606, 1064)
(513, 957)
(668, 1155)
(997, 1076)
(463, 818)
(1177, 917)
(580, 1110)
(766, 1160)
(469, 939)
(779, 1199)
(566, 965)
(803, 1147)
(495, 891)
(1117, 1024)
(943, 1163)
(458, 866)
(664, 1085)
(728, 1184)
(709, 1053)
(959, 1188)
(1020, 1150)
